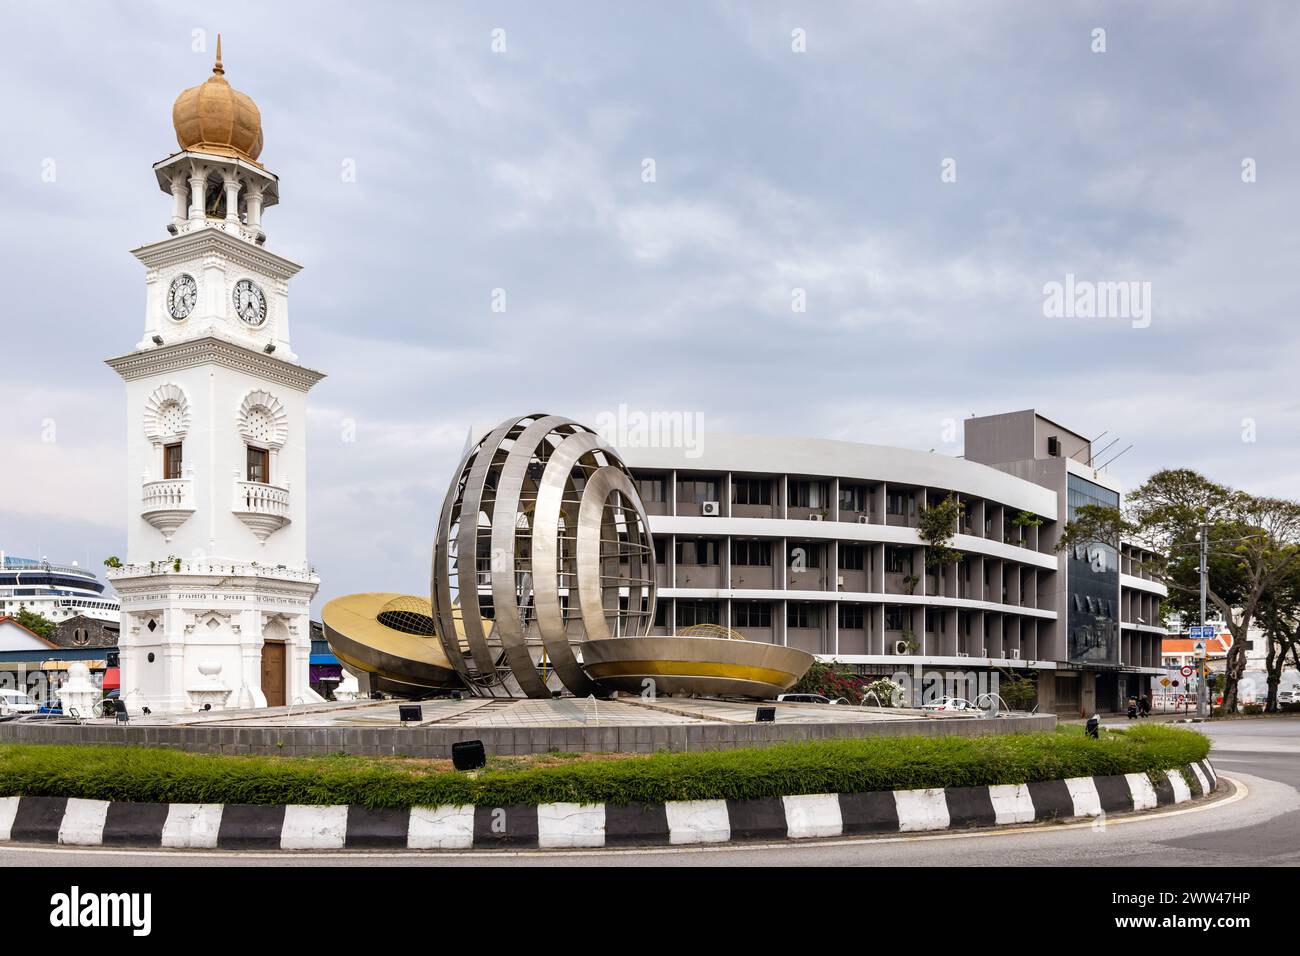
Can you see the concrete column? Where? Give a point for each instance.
(198, 182)
(253, 203)
(232, 199)
(180, 200)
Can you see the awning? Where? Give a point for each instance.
(323, 660)
(113, 678)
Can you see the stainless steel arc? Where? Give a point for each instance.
(542, 543)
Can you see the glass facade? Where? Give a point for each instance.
(1092, 576)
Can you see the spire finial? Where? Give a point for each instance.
(217, 68)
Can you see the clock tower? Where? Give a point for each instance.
(216, 585)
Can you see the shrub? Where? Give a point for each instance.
(1020, 693)
(838, 766)
(831, 680)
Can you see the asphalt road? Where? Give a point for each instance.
(1258, 826)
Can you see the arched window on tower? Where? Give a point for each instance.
(214, 198)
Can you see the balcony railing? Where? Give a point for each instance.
(263, 508)
(167, 504)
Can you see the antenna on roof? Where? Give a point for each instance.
(1109, 444)
(1112, 460)
(1088, 446)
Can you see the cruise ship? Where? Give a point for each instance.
(57, 591)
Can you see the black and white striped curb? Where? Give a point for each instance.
(79, 822)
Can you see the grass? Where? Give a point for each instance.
(900, 763)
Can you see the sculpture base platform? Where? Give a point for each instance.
(513, 727)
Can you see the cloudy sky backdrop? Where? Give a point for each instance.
(775, 170)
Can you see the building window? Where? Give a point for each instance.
(853, 497)
(803, 615)
(804, 556)
(697, 490)
(1092, 580)
(751, 554)
(751, 491)
(258, 465)
(900, 503)
(852, 557)
(898, 560)
(895, 618)
(172, 460)
(696, 612)
(751, 614)
(852, 617)
(809, 494)
(697, 552)
(652, 489)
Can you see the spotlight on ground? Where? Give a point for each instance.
(766, 715)
(468, 755)
(407, 712)
(1093, 727)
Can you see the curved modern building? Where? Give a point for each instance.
(814, 544)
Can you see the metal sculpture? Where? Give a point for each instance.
(542, 544)
(391, 638)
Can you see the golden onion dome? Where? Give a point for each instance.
(214, 117)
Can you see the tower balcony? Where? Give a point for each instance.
(263, 508)
(167, 504)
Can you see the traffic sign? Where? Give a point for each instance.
(1199, 650)
(1182, 698)
(1175, 683)
(1186, 670)
(1164, 682)
(1201, 632)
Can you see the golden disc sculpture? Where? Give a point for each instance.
(543, 534)
(707, 666)
(391, 638)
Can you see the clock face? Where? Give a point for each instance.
(182, 296)
(250, 302)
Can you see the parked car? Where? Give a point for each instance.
(1286, 697)
(808, 699)
(949, 703)
(13, 701)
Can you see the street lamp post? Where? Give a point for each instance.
(1204, 536)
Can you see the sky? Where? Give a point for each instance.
(916, 175)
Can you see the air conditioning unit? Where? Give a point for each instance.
(864, 519)
(963, 654)
(984, 652)
(1015, 654)
(815, 517)
(711, 509)
(900, 647)
(839, 581)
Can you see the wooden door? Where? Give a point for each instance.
(273, 673)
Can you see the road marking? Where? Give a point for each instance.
(1240, 792)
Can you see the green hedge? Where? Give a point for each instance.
(897, 763)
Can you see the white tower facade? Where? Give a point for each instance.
(216, 586)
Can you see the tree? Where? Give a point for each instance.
(1254, 546)
(936, 526)
(1279, 619)
(35, 622)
